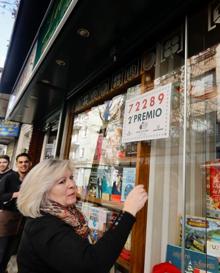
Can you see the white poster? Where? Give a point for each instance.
(147, 116)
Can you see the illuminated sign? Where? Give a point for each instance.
(9, 128)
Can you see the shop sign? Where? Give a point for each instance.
(101, 90)
(125, 75)
(22, 82)
(9, 128)
(51, 24)
(147, 116)
(96, 94)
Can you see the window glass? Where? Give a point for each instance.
(105, 169)
(202, 215)
(165, 204)
(183, 215)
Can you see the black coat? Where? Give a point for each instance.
(9, 184)
(49, 245)
(5, 173)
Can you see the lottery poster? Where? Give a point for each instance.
(147, 116)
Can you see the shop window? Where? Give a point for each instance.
(202, 217)
(169, 229)
(183, 177)
(184, 182)
(105, 168)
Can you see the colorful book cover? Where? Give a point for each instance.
(128, 181)
(203, 235)
(92, 184)
(98, 150)
(104, 181)
(194, 261)
(97, 222)
(99, 185)
(116, 184)
(213, 188)
(85, 208)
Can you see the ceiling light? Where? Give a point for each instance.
(45, 81)
(33, 97)
(60, 62)
(83, 32)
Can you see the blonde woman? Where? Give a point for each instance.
(56, 235)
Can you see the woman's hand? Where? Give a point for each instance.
(135, 200)
(15, 194)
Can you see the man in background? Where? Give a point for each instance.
(4, 165)
(9, 191)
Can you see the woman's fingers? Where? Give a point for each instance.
(135, 200)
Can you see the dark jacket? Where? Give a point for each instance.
(49, 245)
(9, 184)
(5, 173)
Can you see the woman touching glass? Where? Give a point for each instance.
(56, 237)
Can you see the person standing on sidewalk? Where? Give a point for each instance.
(4, 165)
(9, 191)
(56, 237)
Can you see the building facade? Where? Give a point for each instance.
(132, 98)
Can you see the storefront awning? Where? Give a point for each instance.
(29, 17)
(96, 38)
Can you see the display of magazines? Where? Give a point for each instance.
(106, 182)
(212, 169)
(99, 219)
(116, 178)
(202, 235)
(104, 168)
(128, 181)
(195, 262)
(120, 182)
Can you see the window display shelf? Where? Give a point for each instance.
(125, 161)
(105, 203)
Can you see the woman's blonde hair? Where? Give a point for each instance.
(38, 182)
